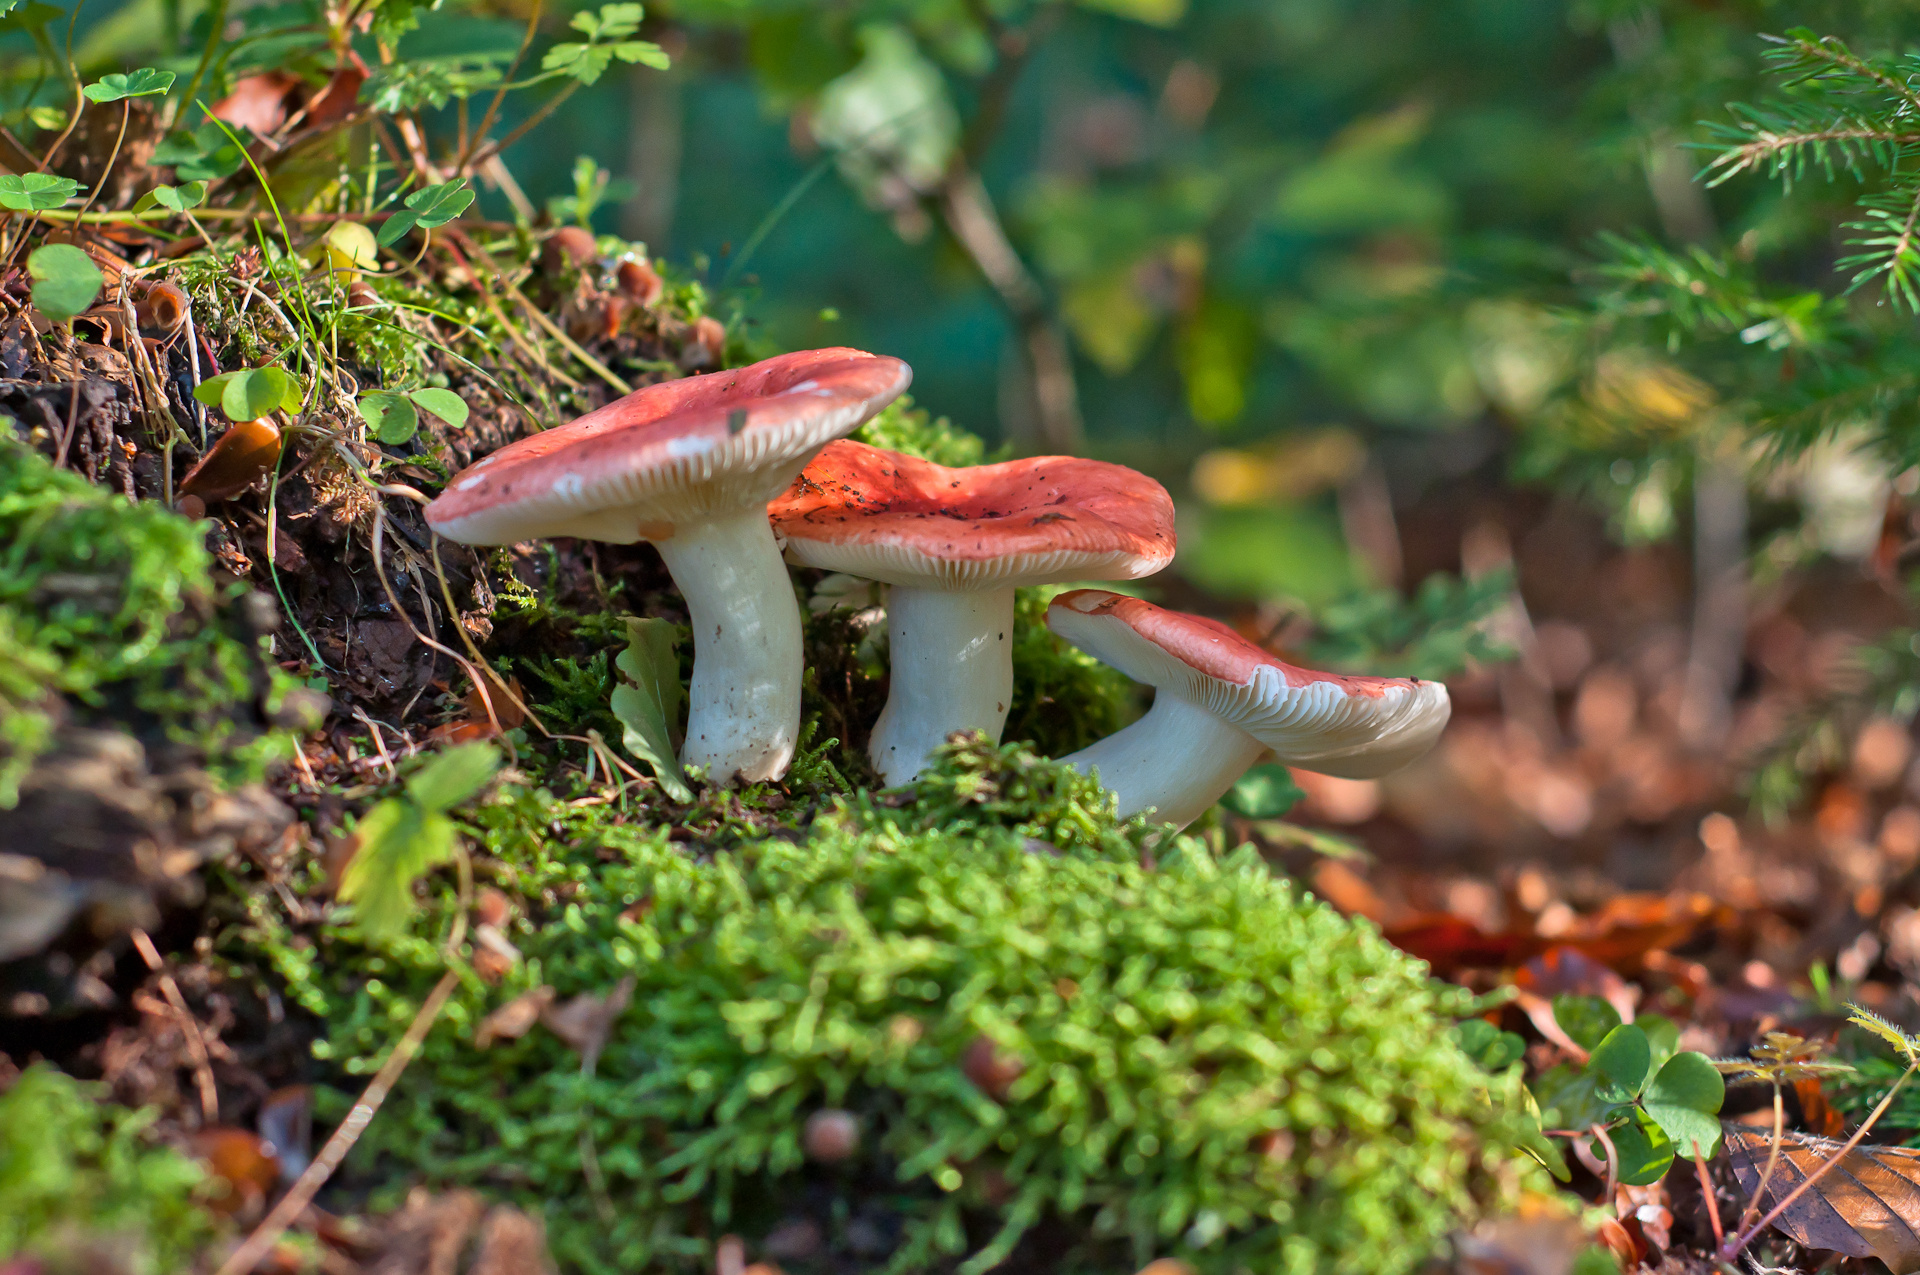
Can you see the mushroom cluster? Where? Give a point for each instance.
(724, 471)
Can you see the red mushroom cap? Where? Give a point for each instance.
(679, 451)
(1355, 727)
(884, 516)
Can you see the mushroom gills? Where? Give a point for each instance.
(1176, 761)
(743, 707)
(951, 656)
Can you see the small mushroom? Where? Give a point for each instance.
(1221, 702)
(690, 466)
(953, 544)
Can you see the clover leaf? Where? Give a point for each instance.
(65, 281)
(435, 206)
(30, 192)
(145, 82)
(392, 417)
(250, 393)
(173, 198)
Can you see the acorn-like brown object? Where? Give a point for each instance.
(164, 307)
(234, 463)
(990, 1067)
(831, 1135)
(639, 282)
(568, 247)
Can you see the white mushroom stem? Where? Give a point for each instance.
(1176, 761)
(952, 669)
(743, 709)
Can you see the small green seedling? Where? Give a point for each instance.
(404, 837)
(1639, 1100)
(208, 153)
(606, 33)
(1267, 791)
(427, 209)
(32, 192)
(648, 700)
(250, 393)
(394, 415)
(65, 281)
(145, 82)
(173, 198)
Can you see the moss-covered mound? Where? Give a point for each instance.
(1049, 1050)
(82, 1189)
(110, 611)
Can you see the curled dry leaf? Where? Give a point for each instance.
(286, 1122)
(244, 1161)
(513, 1019)
(241, 456)
(586, 1021)
(1868, 1205)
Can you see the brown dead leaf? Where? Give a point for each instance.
(586, 1021)
(245, 1162)
(512, 1243)
(513, 1019)
(1564, 970)
(1868, 1205)
(1815, 1111)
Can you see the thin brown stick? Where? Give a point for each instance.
(295, 1201)
(465, 161)
(1707, 1193)
(189, 1026)
(107, 172)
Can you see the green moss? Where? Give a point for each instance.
(1210, 1064)
(74, 1169)
(114, 606)
(902, 427)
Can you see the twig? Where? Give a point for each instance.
(125, 115)
(976, 227)
(1706, 1192)
(294, 1202)
(189, 1026)
(465, 161)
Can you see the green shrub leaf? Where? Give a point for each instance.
(403, 838)
(65, 281)
(453, 776)
(649, 707)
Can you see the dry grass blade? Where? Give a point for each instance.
(1867, 1205)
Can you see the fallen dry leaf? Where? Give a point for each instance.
(586, 1021)
(1868, 1205)
(513, 1019)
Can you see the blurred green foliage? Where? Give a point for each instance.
(1029, 1026)
(82, 1187)
(111, 609)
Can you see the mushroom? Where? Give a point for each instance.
(953, 544)
(690, 466)
(1220, 702)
